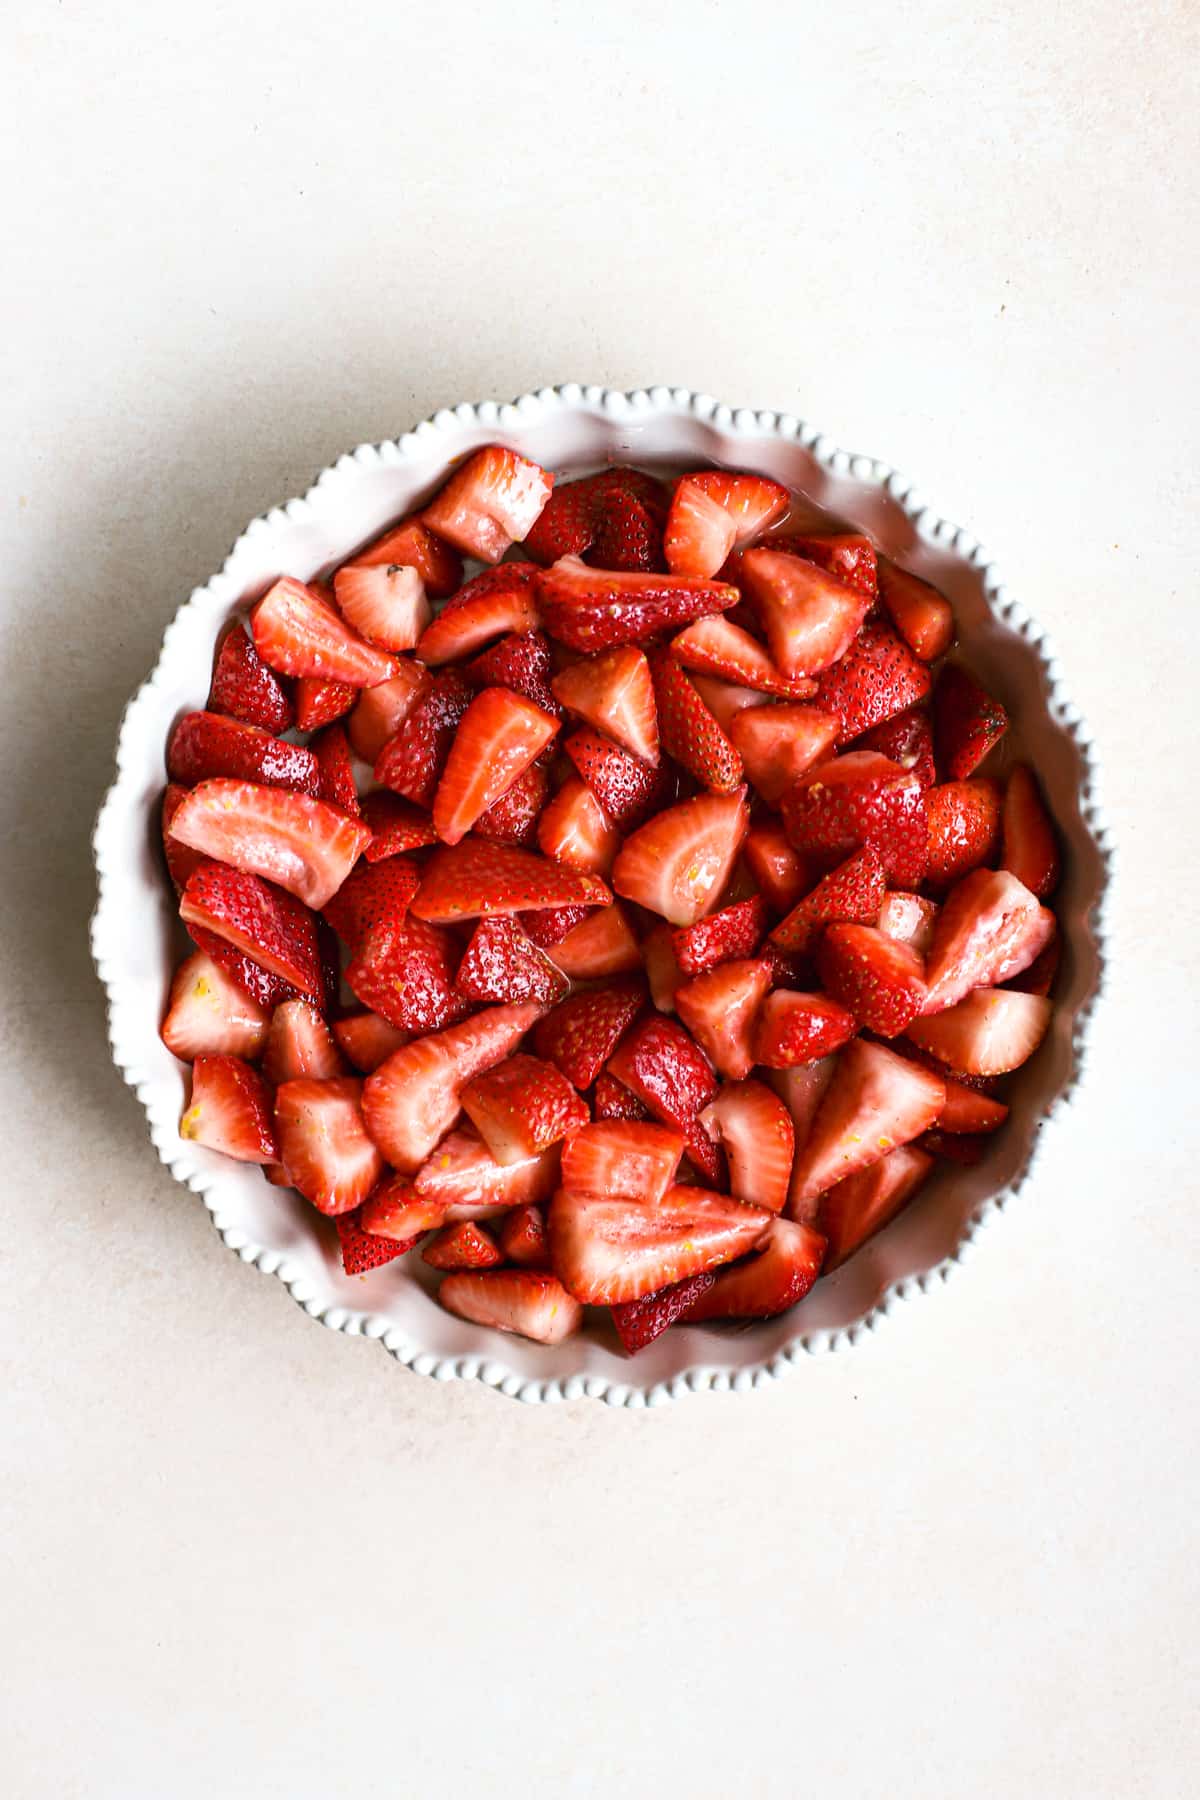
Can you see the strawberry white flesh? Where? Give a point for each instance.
(230, 1110)
(875, 1102)
(623, 1159)
(575, 830)
(323, 1143)
(297, 632)
(499, 735)
(754, 1128)
(614, 693)
(699, 534)
(529, 1302)
(720, 1007)
(990, 1032)
(778, 743)
(608, 1250)
(909, 919)
(209, 1014)
(462, 1174)
(385, 603)
(677, 863)
(989, 929)
(380, 711)
(301, 844)
(299, 1043)
(599, 947)
(490, 503)
(810, 618)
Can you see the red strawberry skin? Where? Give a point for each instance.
(589, 609)
(881, 982)
(412, 762)
(877, 678)
(722, 937)
(847, 555)
(502, 964)
(361, 1251)
(181, 858)
(859, 799)
(579, 1036)
(618, 511)
(262, 985)
(335, 773)
(522, 1106)
(204, 745)
(477, 879)
(397, 825)
(629, 536)
(963, 828)
(663, 1065)
(639, 1322)
(689, 732)
(371, 895)
(796, 1028)
(967, 722)
(405, 973)
(521, 662)
(321, 702)
(908, 740)
(244, 688)
(552, 924)
(613, 1100)
(628, 789)
(258, 920)
(513, 818)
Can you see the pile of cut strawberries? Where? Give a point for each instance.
(682, 933)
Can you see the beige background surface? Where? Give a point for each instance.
(242, 1556)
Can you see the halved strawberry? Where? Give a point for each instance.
(853, 891)
(754, 1128)
(780, 873)
(299, 1043)
(592, 609)
(323, 1143)
(963, 828)
(498, 737)
(492, 605)
(501, 963)
(735, 931)
(922, 616)
(411, 763)
(611, 1250)
(181, 860)
(335, 775)
(359, 1250)
(386, 603)
(372, 894)
(397, 826)
(412, 544)
(514, 817)
(394, 1212)
(690, 733)
(244, 687)
(810, 618)
(522, 1106)
(661, 1063)
(877, 678)
(205, 744)
(321, 702)
(778, 744)
(574, 829)
(208, 1014)
(579, 1036)
(379, 712)
(258, 920)
(404, 971)
(1029, 843)
(475, 879)
(464, 1176)
(662, 971)
(802, 1090)
(878, 980)
(367, 1039)
(967, 1110)
(230, 1110)
(718, 647)
(777, 1276)
(297, 632)
(462, 1246)
(301, 844)
(627, 789)
(600, 946)
(858, 799)
(265, 987)
(861, 1204)
(613, 1100)
(908, 740)
(412, 1099)
(639, 1322)
(990, 1032)
(908, 919)
(794, 1027)
(529, 1302)
(967, 722)
(522, 1237)
(521, 662)
(725, 702)
(752, 502)
(553, 924)
(720, 1009)
(621, 1159)
(846, 554)
(875, 1101)
(491, 502)
(614, 693)
(597, 511)
(989, 929)
(679, 862)
(699, 534)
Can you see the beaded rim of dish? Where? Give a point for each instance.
(623, 406)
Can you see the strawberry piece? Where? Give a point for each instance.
(874, 1102)
(411, 763)
(476, 879)
(592, 609)
(967, 722)
(968, 1111)
(600, 946)
(335, 777)
(858, 799)
(878, 980)
(367, 1040)
(491, 502)
(379, 712)
(414, 546)
(397, 826)
(733, 932)
(845, 554)
(244, 688)
(1038, 978)
(717, 646)
(502, 964)
(574, 829)
(725, 702)
(464, 1176)
(639, 1322)
(321, 702)
(462, 1246)
(205, 744)
(1029, 846)
(629, 536)
(386, 603)
(607, 1251)
(810, 618)
(690, 733)
(862, 1204)
(405, 972)
(522, 1106)
(258, 920)
(613, 510)
(908, 740)
(554, 924)
(299, 1043)
(908, 919)
(780, 873)
(853, 891)
(208, 1014)
(875, 679)
(966, 1149)
(323, 1142)
(579, 1036)
(230, 1110)
(613, 1100)
(395, 1213)
(412, 1099)
(180, 859)
(799, 1028)
(514, 817)
(499, 735)
(661, 1063)
(620, 1158)
(627, 789)
(372, 895)
(360, 1251)
(301, 844)
(521, 662)
(720, 1008)
(566, 525)
(296, 632)
(662, 971)
(963, 828)
(755, 1130)
(778, 744)
(528, 1302)
(679, 862)
(493, 604)
(990, 1032)
(615, 694)
(980, 1084)
(752, 502)
(264, 986)
(989, 929)
(523, 1238)
(699, 533)
(802, 1090)
(776, 1277)
(922, 616)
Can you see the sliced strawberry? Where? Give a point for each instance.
(810, 618)
(367, 1039)
(405, 972)
(379, 712)
(413, 545)
(208, 1014)
(775, 1277)
(858, 799)
(394, 1212)
(989, 929)
(627, 789)
(244, 687)
(301, 844)
(725, 702)
(412, 1099)
(498, 737)
(599, 947)
(522, 1106)
(619, 510)
(639, 1322)
(878, 980)
(922, 616)
(579, 1036)
(335, 773)
(464, 1176)
(877, 678)
(265, 987)
(967, 1110)
(372, 894)
(778, 744)
(514, 817)
(875, 1102)
(802, 1090)
(614, 693)
(296, 632)
(679, 862)
(258, 920)
(204, 744)
(566, 524)
(529, 1302)
(386, 603)
(480, 880)
(662, 971)
(497, 602)
(863, 1203)
(690, 733)
(230, 1110)
(592, 609)
(968, 1149)
(700, 533)
(908, 919)
(967, 722)
(1038, 978)
(621, 1159)
(853, 891)
(717, 646)
(613, 1100)
(1029, 843)
(754, 1128)
(908, 740)
(799, 1028)
(607, 1251)
(180, 859)
(397, 825)
(963, 820)
(323, 1142)
(846, 554)
(521, 662)
(720, 1009)
(321, 702)
(491, 502)
(629, 536)
(735, 931)
(780, 873)
(574, 829)
(661, 1063)
(299, 1043)
(360, 1251)
(462, 1246)
(552, 925)
(523, 1239)
(751, 501)
(411, 763)
(502, 964)
(990, 1032)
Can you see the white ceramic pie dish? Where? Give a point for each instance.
(136, 941)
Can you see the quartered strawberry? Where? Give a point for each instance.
(725, 701)
(755, 1130)
(963, 825)
(618, 509)
(514, 817)
(639, 1322)
(404, 971)
(413, 545)
(522, 1106)
(573, 828)
(386, 603)
(781, 875)
(566, 525)
(321, 702)
(335, 773)
(796, 1028)
(208, 1014)
(967, 722)
(662, 971)
(299, 1042)
(968, 1111)
(875, 1102)
(491, 502)
(629, 535)
(580, 1035)
(908, 740)
(499, 736)
(777, 744)
(181, 860)
(397, 826)
(360, 1251)
(529, 1302)
(394, 1212)
(802, 1090)
(492, 605)
(367, 1040)
(735, 931)
(689, 732)
(720, 1008)
(858, 799)
(1029, 845)
(205, 744)
(593, 609)
(614, 693)
(967, 1149)
(379, 712)
(462, 1246)
(475, 879)
(679, 862)
(627, 789)
(553, 924)
(612, 1100)
(846, 554)
(297, 632)
(323, 1142)
(607, 1251)
(908, 919)
(810, 618)
(264, 986)
(751, 502)
(230, 1110)
(878, 980)
(775, 1277)
(621, 1159)
(699, 533)
(863, 1203)
(521, 662)
(411, 763)
(989, 929)
(599, 947)
(502, 964)
(372, 894)
(301, 844)
(877, 678)
(1038, 978)
(922, 616)
(718, 647)
(853, 891)
(522, 1237)
(661, 1063)
(244, 687)
(990, 1032)
(258, 920)
(463, 1175)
